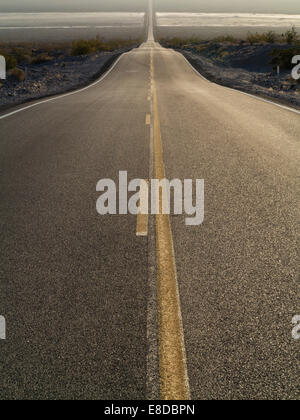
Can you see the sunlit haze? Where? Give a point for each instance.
(259, 6)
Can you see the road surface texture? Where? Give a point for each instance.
(76, 288)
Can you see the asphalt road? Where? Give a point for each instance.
(76, 288)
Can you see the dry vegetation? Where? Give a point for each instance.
(35, 53)
(279, 56)
(84, 47)
(289, 37)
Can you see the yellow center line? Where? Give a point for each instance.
(142, 217)
(172, 356)
(148, 119)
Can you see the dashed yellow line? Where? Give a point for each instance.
(174, 382)
(148, 119)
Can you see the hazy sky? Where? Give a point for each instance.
(259, 6)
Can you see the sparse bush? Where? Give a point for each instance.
(267, 37)
(22, 54)
(253, 38)
(41, 58)
(291, 36)
(116, 44)
(11, 61)
(18, 74)
(85, 47)
(226, 38)
(283, 58)
(19, 54)
(270, 37)
(180, 42)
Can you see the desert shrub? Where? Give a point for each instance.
(270, 37)
(22, 54)
(19, 54)
(116, 44)
(267, 37)
(194, 41)
(253, 38)
(85, 47)
(18, 74)
(180, 42)
(175, 42)
(291, 36)
(226, 38)
(11, 61)
(41, 58)
(283, 58)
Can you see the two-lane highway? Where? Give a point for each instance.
(88, 303)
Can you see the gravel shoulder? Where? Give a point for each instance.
(246, 68)
(62, 74)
